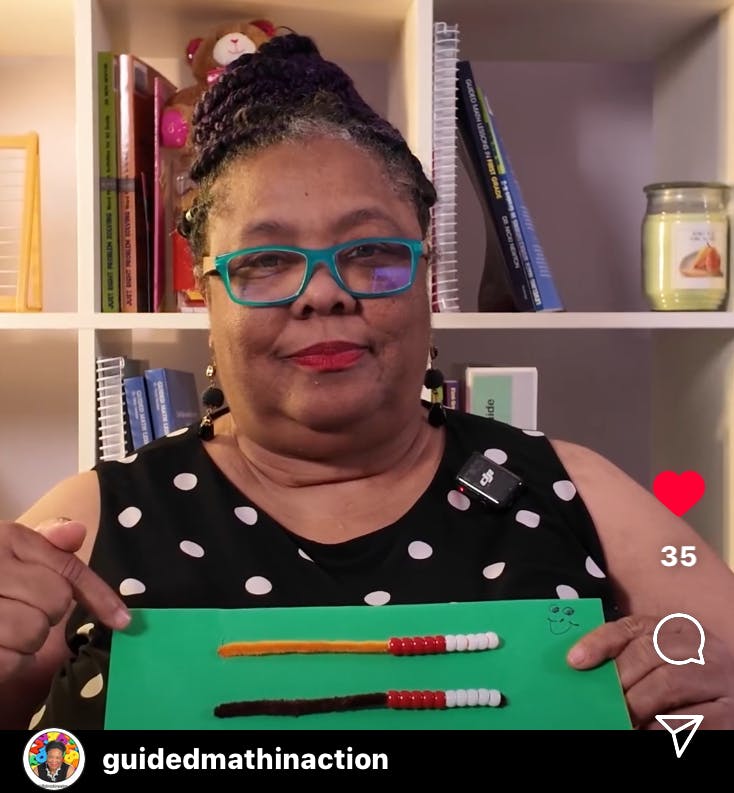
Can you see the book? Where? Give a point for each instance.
(537, 271)
(136, 155)
(163, 90)
(509, 289)
(107, 92)
(506, 394)
(138, 411)
(173, 398)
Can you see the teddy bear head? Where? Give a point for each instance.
(210, 55)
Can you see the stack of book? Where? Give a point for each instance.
(138, 404)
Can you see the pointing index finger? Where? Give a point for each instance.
(89, 589)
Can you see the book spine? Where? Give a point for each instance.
(138, 411)
(160, 403)
(452, 394)
(540, 279)
(477, 141)
(126, 186)
(108, 201)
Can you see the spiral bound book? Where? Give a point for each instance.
(445, 285)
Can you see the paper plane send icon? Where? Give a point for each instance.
(676, 724)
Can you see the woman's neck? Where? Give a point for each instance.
(300, 458)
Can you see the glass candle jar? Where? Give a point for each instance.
(685, 246)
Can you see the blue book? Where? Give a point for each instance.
(138, 411)
(537, 272)
(174, 400)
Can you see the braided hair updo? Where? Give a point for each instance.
(287, 91)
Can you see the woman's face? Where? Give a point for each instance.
(315, 194)
(53, 758)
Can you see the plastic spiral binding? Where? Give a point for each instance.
(445, 284)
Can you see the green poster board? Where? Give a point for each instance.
(165, 672)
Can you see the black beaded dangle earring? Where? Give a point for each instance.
(434, 382)
(212, 399)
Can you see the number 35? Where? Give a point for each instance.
(687, 555)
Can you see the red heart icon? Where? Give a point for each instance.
(679, 492)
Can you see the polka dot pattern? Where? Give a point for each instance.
(247, 515)
(130, 517)
(492, 571)
(86, 629)
(185, 481)
(176, 433)
(419, 550)
(592, 568)
(131, 586)
(564, 489)
(496, 456)
(459, 500)
(93, 687)
(36, 718)
(528, 518)
(377, 598)
(258, 585)
(191, 548)
(174, 513)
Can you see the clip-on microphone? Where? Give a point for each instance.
(484, 480)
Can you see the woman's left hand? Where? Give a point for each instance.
(651, 685)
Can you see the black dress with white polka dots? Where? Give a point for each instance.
(176, 533)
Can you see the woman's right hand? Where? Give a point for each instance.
(40, 577)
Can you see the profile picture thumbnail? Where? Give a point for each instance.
(53, 759)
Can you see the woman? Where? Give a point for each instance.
(325, 482)
(54, 769)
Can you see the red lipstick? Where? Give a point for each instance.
(329, 356)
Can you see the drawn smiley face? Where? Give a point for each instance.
(560, 621)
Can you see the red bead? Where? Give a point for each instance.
(393, 700)
(440, 699)
(416, 699)
(440, 644)
(395, 646)
(408, 646)
(428, 699)
(419, 645)
(405, 699)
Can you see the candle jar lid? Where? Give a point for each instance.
(684, 196)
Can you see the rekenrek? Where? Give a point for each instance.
(251, 760)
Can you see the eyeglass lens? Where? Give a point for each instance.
(372, 268)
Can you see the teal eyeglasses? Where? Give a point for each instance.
(272, 275)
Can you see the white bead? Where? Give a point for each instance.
(482, 641)
(450, 699)
(494, 640)
(450, 643)
(461, 643)
(472, 641)
(472, 697)
(495, 698)
(483, 696)
(461, 698)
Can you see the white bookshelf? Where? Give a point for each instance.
(650, 390)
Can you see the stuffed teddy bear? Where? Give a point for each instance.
(208, 58)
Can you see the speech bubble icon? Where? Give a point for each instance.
(702, 636)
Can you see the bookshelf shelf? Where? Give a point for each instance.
(572, 83)
(623, 320)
